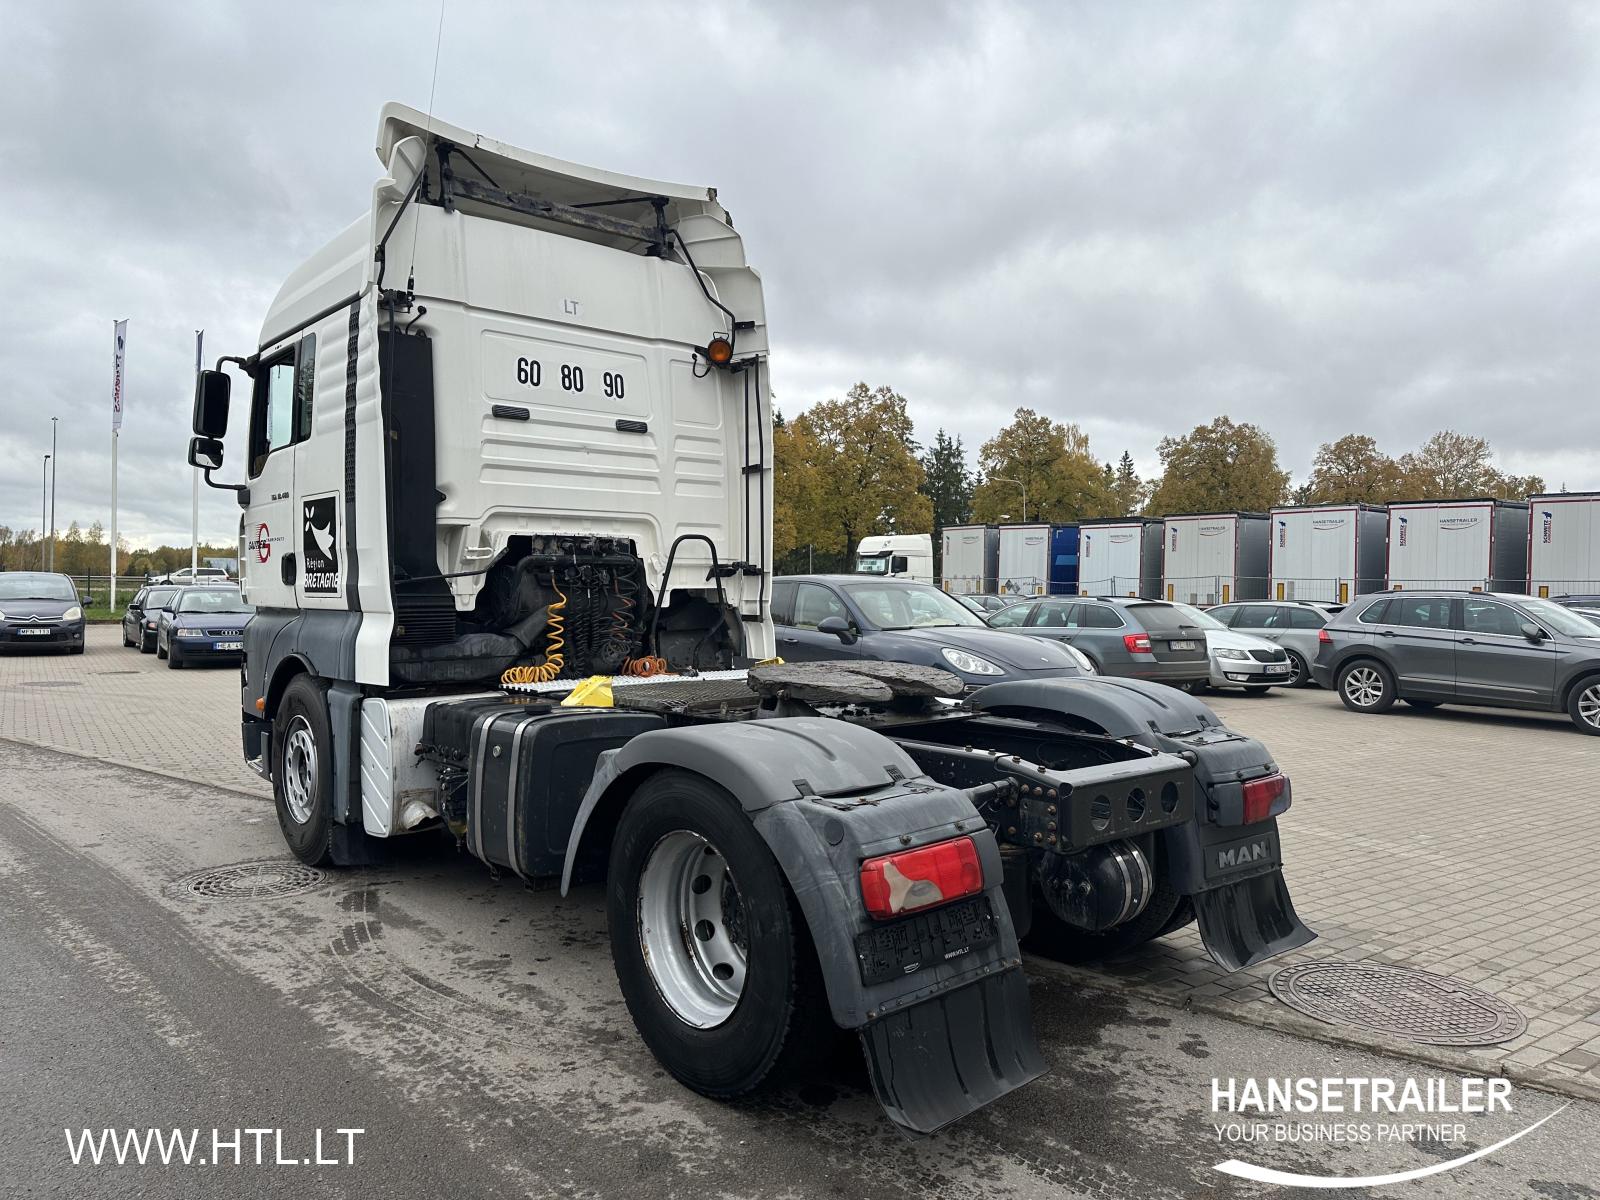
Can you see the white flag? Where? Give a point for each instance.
(118, 379)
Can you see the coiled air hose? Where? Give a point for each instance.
(554, 660)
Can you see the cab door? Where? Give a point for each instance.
(269, 566)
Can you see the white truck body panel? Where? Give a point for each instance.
(1024, 560)
(1328, 553)
(970, 559)
(1564, 544)
(1215, 558)
(613, 334)
(1466, 544)
(876, 554)
(1120, 558)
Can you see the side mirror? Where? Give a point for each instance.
(211, 390)
(1532, 632)
(205, 452)
(837, 626)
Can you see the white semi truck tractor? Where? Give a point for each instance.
(509, 432)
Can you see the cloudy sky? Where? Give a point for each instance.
(1321, 217)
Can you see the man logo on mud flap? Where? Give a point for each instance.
(319, 550)
(1241, 856)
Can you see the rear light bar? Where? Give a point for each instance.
(1265, 797)
(893, 884)
(1137, 643)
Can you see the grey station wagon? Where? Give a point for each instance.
(1136, 639)
(1483, 648)
(1293, 624)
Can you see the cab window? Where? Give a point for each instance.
(281, 411)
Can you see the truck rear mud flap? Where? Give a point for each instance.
(937, 1061)
(1246, 922)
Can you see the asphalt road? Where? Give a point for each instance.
(473, 1030)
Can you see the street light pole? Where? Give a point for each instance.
(56, 467)
(44, 504)
(1020, 484)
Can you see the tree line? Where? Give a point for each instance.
(80, 551)
(849, 468)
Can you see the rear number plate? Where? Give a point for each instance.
(227, 646)
(1181, 645)
(915, 943)
(33, 633)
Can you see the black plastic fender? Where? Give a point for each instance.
(1123, 708)
(826, 795)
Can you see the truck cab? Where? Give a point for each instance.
(896, 556)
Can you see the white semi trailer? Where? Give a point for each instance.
(1215, 558)
(1120, 557)
(507, 447)
(969, 560)
(1480, 545)
(1564, 544)
(1329, 553)
(1024, 568)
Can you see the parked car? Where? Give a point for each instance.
(1579, 600)
(203, 624)
(984, 604)
(142, 617)
(821, 617)
(1238, 659)
(1593, 613)
(1481, 648)
(1292, 624)
(42, 610)
(195, 577)
(1137, 639)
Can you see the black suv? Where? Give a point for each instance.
(1485, 648)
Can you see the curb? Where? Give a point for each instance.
(1285, 1020)
(139, 767)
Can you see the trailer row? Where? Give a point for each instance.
(1547, 546)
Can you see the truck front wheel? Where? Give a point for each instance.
(712, 955)
(302, 770)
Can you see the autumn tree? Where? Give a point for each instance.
(1351, 470)
(1048, 459)
(1220, 467)
(846, 469)
(1457, 466)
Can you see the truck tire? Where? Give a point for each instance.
(740, 1003)
(1052, 937)
(1366, 686)
(302, 770)
(1583, 705)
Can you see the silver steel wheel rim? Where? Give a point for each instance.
(1294, 669)
(1364, 686)
(691, 929)
(1589, 706)
(300, 770)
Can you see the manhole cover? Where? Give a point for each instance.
(250, 881)
(1399, 1001)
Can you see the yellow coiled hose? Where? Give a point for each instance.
(553, 658)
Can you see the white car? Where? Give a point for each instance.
(1239, 660)
(194, 577)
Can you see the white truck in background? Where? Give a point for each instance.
(508, 447)
(896, 556)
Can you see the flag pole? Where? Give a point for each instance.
(119, 336)
(194, 534)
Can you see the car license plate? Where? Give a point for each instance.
(1278, 669)
(915, 943)
(33, 633)
(1181, 645)
(240, 646)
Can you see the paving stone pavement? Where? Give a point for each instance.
(1457, 841)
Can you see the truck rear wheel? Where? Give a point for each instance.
(302, 770)
(712, 954)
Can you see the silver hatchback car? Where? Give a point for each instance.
(1293, 624)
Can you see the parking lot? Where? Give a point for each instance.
(1457, 841)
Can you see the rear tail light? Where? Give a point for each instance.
(1324, 637)
(1265, 797)
(915, 879)
(1137, 643)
